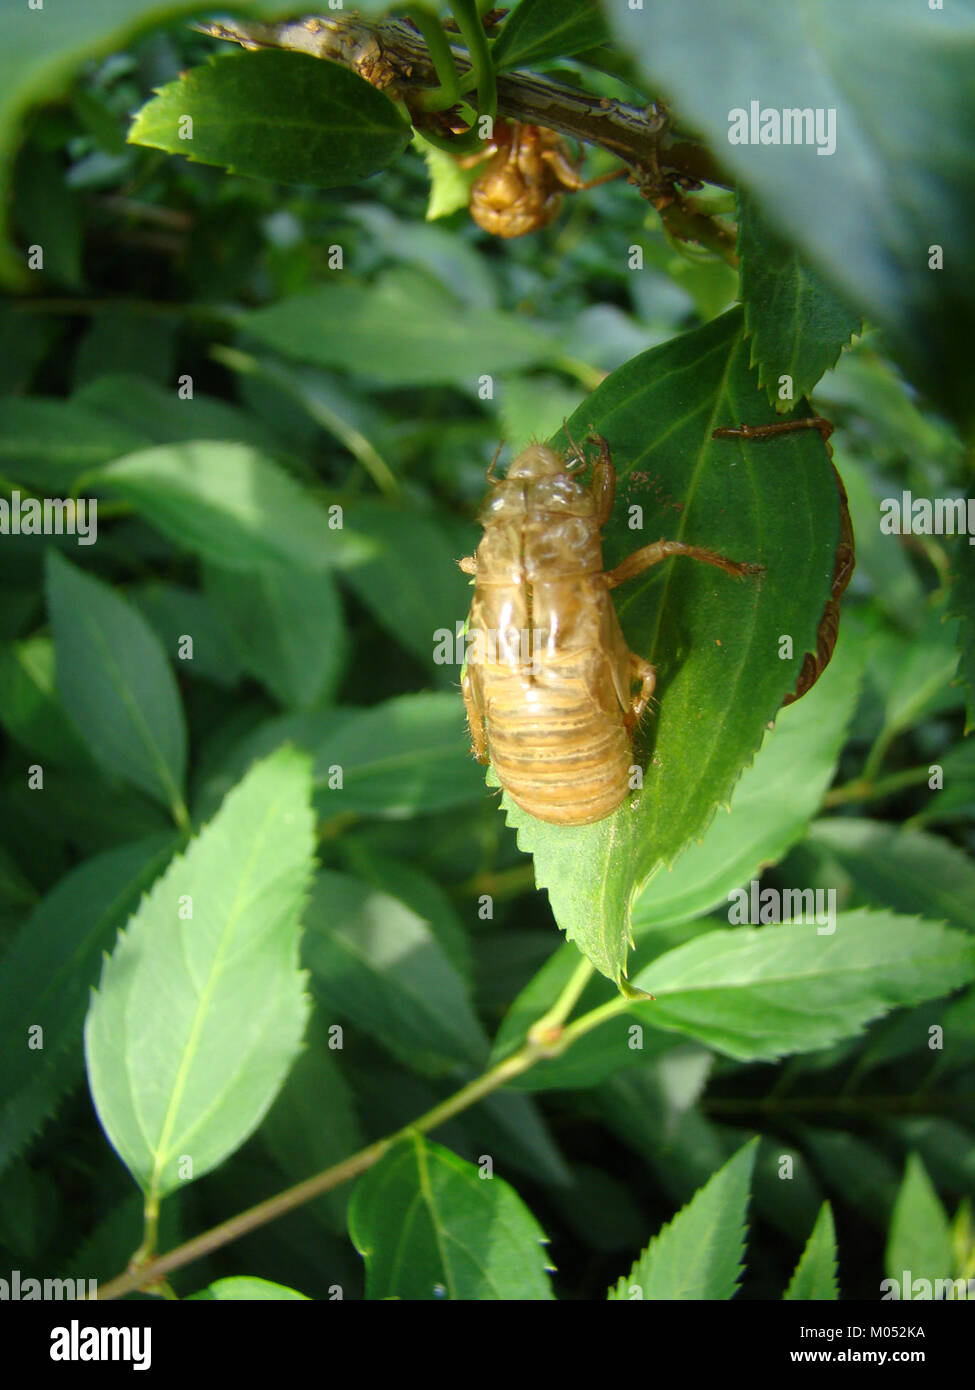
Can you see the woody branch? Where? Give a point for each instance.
(391, 55)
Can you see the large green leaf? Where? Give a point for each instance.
(909, 871)
(899, 180)
(770, 807)
(715, 641)
(115, 683)
(246, 1289)
(274, 115)
(48, 443)
(700, 1254)
(286, 624)
(162, 415)
(431, 1226)
(946, 1149)
(200, 1009)
(785, 988)
(177, 613)
(46, 976)
(407, 756)
(228, 503)
(41, 47)
(376, 963)
(540, 29)
(815, 1274)
(919, 1241)
(400, 331)
(30, 710)
(856, 1171)
(313, 1122)
(410, 582)
(796, 325)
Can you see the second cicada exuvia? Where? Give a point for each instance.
(522, 187)
(552, 691)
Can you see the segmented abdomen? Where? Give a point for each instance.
(559, 755)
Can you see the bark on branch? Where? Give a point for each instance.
(391, 55)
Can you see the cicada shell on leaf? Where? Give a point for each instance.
(552, 691)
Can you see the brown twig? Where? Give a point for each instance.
(392, 56)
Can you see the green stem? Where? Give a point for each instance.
(550, 1023)
(531, 1052)
(497, 883)
(438, 45)
(469, 23)
(865, 789)
(357, 444)
(588, 376)
(460, 142)
(585, 1024)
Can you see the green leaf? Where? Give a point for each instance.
(899, 178)
(858, 1173)
(274, 115)
(399, 331)
(81, 809)
(715, 642)
(177, 613)
(48, 214)
(122, 343)
(962, 604)
(407, 756)
(791, 1205)
(919, 1242)
(421, 894)
(795, 323)
(908, 871)
(116, 685)
(700, 1254)
(956, 799)
(161, 415)
(200, 1009)
(29, 706)
(430, 1226)
(883, 567)
(945, 1148)
(227, 503)
(653, 1110)
(41, 48)
(286, 624)
(450, 185)
(410, 582)
(247, 1289)
(927, 662)
(376, 963)
(49, 443)
(815, 1274)
(785, 988)
(46, 975)
(313, 1122)
(533, 407)
(404, 757)
(541, 29)
(770, 807)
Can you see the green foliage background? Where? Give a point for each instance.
(787, 1107)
